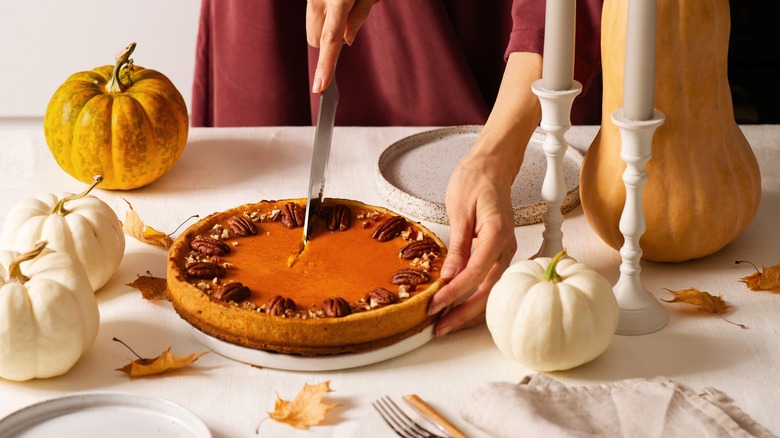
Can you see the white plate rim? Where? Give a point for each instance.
(436, 212)
(18, 421)
(286, 362)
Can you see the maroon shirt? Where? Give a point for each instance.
(414, 62)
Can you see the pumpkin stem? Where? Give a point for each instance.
(115, 84)
(15, 270)
(60, 207)
(550, 274)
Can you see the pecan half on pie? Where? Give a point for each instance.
(363, 282)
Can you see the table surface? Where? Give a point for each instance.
(225, 167)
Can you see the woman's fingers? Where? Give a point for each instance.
(490, 251)
(357, 16)
(472, 311)
(329, 23)
(325, 28)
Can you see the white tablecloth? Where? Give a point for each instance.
(222, 168)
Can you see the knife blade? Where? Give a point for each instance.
(319, 158)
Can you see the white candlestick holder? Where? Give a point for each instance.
(640, 311)
(556, 120)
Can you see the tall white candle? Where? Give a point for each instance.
(639, 81)
(558, 56)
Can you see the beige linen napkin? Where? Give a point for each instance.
(542, 407)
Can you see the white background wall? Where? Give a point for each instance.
(42, 42)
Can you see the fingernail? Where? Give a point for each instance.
(315, 88)
(448, 271)
(441, 331)
(435, 308)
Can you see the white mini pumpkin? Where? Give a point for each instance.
(81, 225)
(48, 313)
(552, 314)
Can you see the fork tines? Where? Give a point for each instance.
(397, 419)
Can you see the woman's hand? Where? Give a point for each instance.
(479, 199)
(482, 239)
(328, 24)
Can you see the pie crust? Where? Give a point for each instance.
(341, 264)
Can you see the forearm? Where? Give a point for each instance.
(515, 115)
(479, 205)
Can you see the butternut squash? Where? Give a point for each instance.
(704, 185)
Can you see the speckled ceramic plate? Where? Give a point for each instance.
(412, 174)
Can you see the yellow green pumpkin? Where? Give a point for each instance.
(124, 122)
(704, 185)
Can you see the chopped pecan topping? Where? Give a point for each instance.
(380, 297)
(409, 276)
(389, 229)
(280, 306)
(275, 215)
(418, 248)
(336, 307)
(209, 245)
(205, 270)
(293, 215)
(339, 217)
(232, 292)
(242, 226)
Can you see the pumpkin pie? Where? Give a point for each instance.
(363, 281)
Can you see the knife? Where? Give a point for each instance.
(319, 158)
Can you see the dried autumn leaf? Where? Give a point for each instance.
(306, 410)
(766, 280)
(702, 300)
(164, 363)
(151, 287)
(134, 227)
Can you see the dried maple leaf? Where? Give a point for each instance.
(702, 300)
(306, 410)
(161, 364)
(767, 280)
(134, 227)
(151, 287)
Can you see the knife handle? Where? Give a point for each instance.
(434, 415)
